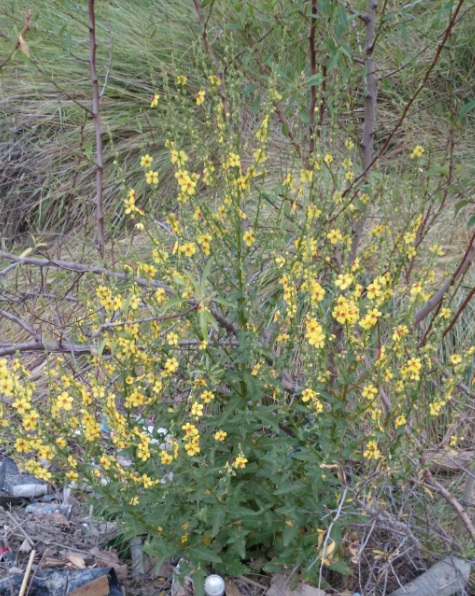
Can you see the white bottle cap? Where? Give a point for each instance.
(214, 585)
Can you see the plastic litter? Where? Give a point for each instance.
(59, 582)
(48, 509)
(6, 555)
(214, 585)
(15, 484)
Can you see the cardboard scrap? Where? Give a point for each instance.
(97, 587)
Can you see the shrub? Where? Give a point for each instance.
(274, 359)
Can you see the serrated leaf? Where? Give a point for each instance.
(202, 553)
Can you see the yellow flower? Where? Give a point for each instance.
(200, 97)
(334, 236)
(369, 391)
(207, 396)
(192, 448)
(171, 365)
(22, 446)
(328, 159)
(372, 451)
(456, 359)
(181, 80)
(214, 80)
(151, 177)
(437, 250)
(220, 435)
(155, 99)
(240, 462)
(190, 430)
(188, 249)
(64, 401)
(314, 333)
(196, 410)
(417, 152)
(146, 161)
(172, 339)
(249, 238)
(308, 394)
(370, 319)
(400, 420)
(412, 368)
(233, 160)
(21, 405)
(165, 458)
(160, 295)
(344, 281)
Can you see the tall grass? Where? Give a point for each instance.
(47, 174)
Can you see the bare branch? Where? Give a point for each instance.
(81, 268)
(437, 298)
(38, 346)
(97, 128)
(411, 101)
(313, 72)
(21, 323)
(452, 501)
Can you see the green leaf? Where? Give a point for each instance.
(203, 553)
(439, 170)
(290, 532)
(460, 205)
(101, 346)
(294, 487)
(314, 80)
(471, 221)
(466, 109)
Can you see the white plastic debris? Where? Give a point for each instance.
(214, 585)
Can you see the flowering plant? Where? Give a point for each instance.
(276, 351)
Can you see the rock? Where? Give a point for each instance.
(449, 576)
(280, 586)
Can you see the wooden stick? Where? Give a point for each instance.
(24, 583)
